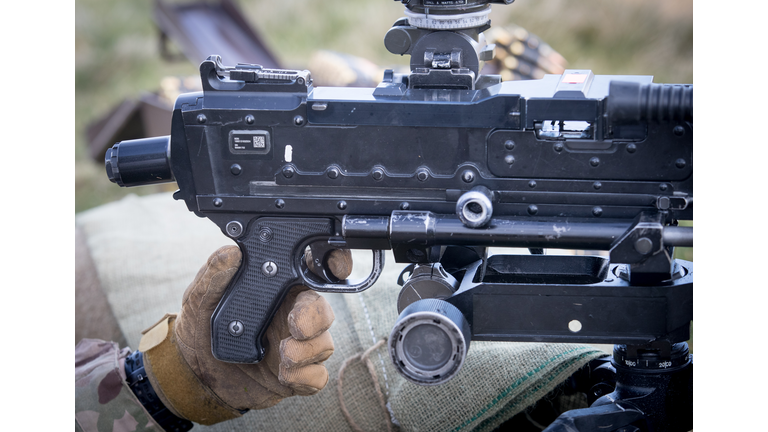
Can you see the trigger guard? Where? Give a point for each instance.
(346, 286)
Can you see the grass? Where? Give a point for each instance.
(117, 49)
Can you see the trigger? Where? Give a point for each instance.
(316, 259)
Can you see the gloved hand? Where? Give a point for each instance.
(196, 386)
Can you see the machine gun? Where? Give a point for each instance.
(438, 165)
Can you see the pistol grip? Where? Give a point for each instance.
(271, 248)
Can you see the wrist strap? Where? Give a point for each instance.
(142, 388)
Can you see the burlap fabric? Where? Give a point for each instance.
(147, 250)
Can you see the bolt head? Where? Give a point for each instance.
(236, 328)
(269, 269)
(643, 245)
(234, 229)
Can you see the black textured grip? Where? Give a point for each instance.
(271, 255)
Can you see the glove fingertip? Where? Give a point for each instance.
(311, 315)
(340, 263)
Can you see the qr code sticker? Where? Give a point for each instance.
(259, 142)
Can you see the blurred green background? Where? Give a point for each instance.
(118, 54)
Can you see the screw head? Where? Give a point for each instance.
(533, 209)
(663, 187)
(594, 161)
(201, 118)
(249, 119)
(236, 328)
(269, 269)
(333, 173)
(558, 147)
(405, 205)
(218, 202)
(597, 211)
(288, 172)
(532, 184)
(468, 176)
(234, 229)
(422, 175)
(377, 174)
(509, 145)
(341, 205)
(298, 120)
(680, 163)
(236, 169)
(643, 245)
(509, 159)
(631, 148)
(597, 185)
(279, 203)
(678, 130)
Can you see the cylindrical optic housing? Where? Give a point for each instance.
(474, 208)
(429, 342)
(140, 162)
(426, 281)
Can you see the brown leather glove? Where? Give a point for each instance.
(196, 386)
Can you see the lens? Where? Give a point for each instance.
(427, 347)
(429, 342)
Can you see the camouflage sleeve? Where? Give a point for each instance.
(103, 400)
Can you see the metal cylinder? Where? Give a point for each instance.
(429, 342)
(426, 281)
(631, 102)
(140, 162)
(678, 236)
(475, 208)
